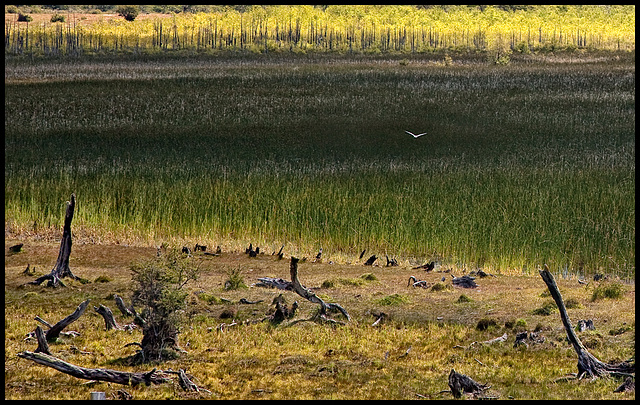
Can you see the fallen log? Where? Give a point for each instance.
(417, 283)
(464, 281)
(61, 268)
(587, 363)
(426, 267)
(98, 374)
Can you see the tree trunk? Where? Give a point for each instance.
(98, 374)
(61, 268)
(587, 363)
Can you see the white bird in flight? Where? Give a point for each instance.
(414, 135)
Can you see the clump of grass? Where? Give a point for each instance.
(516, 324)
(463, 298)
(608, 290)
(486, 323)
(572, 303)
(209, 298)
(393, 299)
(235, 280)
(440, 287)
(369, 277)
(546, 309)
(103, 279)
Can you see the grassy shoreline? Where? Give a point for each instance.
(524, 164)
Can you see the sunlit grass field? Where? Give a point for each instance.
(522, 164)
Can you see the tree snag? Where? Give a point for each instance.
(61, 268)
(587, 363)
(98, 374)
(109, 320)
(461, 384)
(43, 346)
(307, 294)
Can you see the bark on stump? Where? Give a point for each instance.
(61, 268)
(587, 363)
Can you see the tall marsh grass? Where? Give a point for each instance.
(522, 164)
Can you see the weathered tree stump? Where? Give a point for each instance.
(109, 320)
(461, 384)
(43, 346)
(123, 308)
(370, 261)
(587, 363)
(98, 374)
(61, 268)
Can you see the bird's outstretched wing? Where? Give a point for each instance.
(414, 135)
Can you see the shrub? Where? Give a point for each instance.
(160, 291)
(235, 281)
(57, 18)
(24, 17)
(609, 290)
(128, 12)
(102, 279)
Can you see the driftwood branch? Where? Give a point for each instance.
(297, 287)
(307, 294)
(98, 374)
(587, 363)
(54, 331)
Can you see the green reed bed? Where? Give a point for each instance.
(523, 164)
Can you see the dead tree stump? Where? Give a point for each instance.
(461, 384)
(109, 320)
(123, 308)
(587, 363)
(61, 268)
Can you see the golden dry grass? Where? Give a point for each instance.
(309, 360)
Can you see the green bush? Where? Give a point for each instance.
(128, 12)
(24, 17)
(57, 18)
(235, 281)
